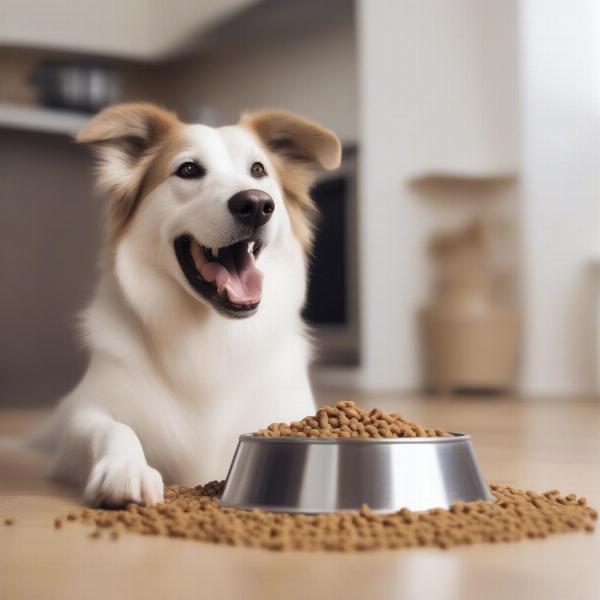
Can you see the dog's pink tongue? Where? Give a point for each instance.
(235, 275)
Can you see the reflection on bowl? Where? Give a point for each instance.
(305, 475)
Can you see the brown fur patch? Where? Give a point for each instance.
(133, 143)
(298, 149)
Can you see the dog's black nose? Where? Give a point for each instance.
(251, 207)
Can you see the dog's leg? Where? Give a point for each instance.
(117, 469)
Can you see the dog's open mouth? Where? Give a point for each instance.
(227, 277)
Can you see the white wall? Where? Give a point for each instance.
(312, 73)
(438, 85)
(560, 71)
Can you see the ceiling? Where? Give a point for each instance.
(132, 29)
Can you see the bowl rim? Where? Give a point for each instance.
(256, 439)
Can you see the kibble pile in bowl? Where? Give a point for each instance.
(347, 420)
(195, 513)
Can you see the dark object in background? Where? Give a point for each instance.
(80, 86)
(332, 297)
(326, 300)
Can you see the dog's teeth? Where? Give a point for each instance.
(215, 252)
(250, 247)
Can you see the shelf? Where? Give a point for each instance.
(465, 177)
(44, 120)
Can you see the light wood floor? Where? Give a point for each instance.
(535, 445)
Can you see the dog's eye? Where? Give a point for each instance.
(190, 170)
(258, 170)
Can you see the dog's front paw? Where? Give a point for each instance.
(117, 481)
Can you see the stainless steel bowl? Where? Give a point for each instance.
(305, 475)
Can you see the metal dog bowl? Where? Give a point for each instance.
(307, 475)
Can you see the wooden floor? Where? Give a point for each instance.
(535, 445)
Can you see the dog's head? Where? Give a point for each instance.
(204, 204)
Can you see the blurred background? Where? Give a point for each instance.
(459, 243)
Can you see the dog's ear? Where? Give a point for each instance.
(300, 149)
(295, 138)
(124, 137)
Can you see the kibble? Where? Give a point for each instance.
(347, 420)
(8, 521)
(195, 514)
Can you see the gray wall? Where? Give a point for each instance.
(311, 72)
(49, 232)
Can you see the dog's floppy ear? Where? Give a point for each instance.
(124, 137)
(295, 138)
(300, 149)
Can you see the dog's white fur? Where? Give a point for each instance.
(171, 382)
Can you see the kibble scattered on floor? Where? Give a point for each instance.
(194, 514)
(347, 420)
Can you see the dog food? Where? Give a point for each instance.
(194, 513)
(347, 420)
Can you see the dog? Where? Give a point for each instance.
(194, 331)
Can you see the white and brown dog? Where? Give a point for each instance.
(195, 330)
